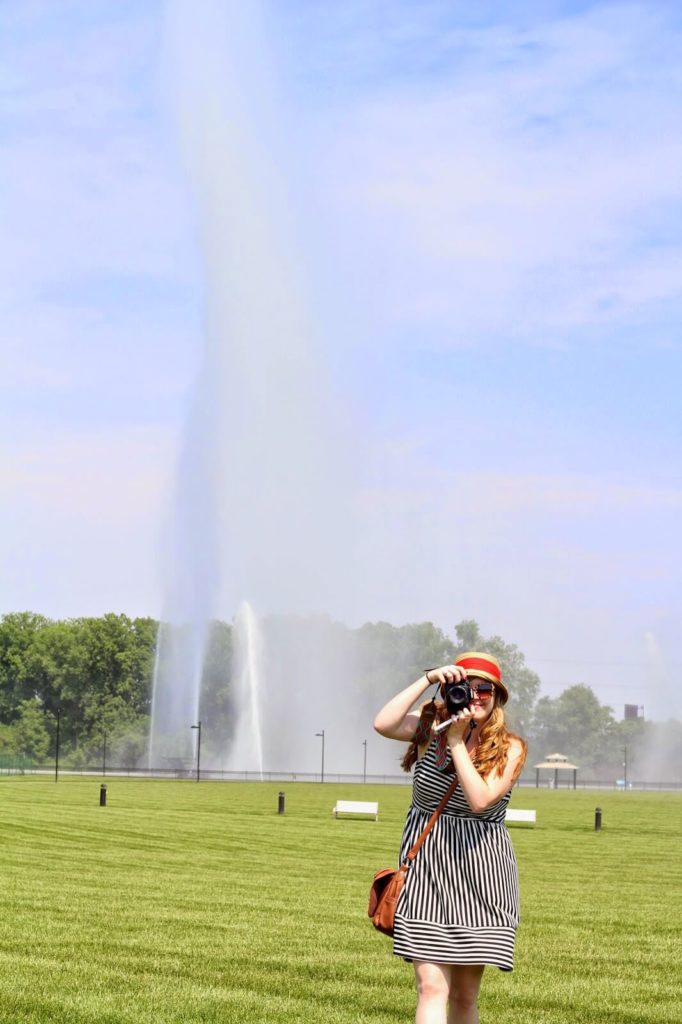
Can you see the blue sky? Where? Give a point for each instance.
(489, 206)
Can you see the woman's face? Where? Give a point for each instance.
(484, 698)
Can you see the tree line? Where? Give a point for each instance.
(96, 673)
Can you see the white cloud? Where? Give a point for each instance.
(526, 193)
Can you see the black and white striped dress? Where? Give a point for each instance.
(460, 901)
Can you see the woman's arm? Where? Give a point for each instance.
(481, 793)
(395, 721)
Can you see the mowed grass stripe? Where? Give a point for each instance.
(198, 902)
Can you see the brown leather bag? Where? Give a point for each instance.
(388, 883)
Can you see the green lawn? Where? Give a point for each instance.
(191, 903)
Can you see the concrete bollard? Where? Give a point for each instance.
(597, 819)
(280, 803)
(103, 795)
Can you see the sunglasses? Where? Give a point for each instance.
(483, 691)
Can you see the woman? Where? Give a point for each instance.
(458, 910)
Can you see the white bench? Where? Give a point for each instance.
(513, 814)
(356, 807)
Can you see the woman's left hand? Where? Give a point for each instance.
(460, 725)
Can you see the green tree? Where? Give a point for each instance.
(391, 653)
(215, 706)
(101, 675)
(60, 666)
(577, 725)
(97, 671)
(390, 657)
(7, 739)
(21, 675)
(128, 748)
(30, 732)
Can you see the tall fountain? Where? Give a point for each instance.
(257, 505)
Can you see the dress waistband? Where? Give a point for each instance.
(496, 819)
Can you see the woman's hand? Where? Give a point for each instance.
(446, 674)
(460, 725)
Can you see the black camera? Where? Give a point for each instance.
(457, 696)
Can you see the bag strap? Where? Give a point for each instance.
(431, 822)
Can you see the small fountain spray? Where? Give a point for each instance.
(247, 752)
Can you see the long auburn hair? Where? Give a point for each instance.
(494, 740)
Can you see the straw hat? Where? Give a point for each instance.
(484, 666)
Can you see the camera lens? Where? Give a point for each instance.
(457, 697)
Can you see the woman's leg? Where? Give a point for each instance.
(465, 983)
(433, 989)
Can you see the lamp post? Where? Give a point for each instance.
(625, 767)
(104, 752)
(58, 715)
(364, 762)
(321, 734)
(198, 728)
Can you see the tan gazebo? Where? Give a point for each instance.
(558, 763)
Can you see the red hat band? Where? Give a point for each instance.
(475, 662)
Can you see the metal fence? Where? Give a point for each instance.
(346, 778)
(601, 784)
(15, 764)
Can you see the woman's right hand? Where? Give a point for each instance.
(446, 674)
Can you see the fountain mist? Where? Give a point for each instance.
(258, 500)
